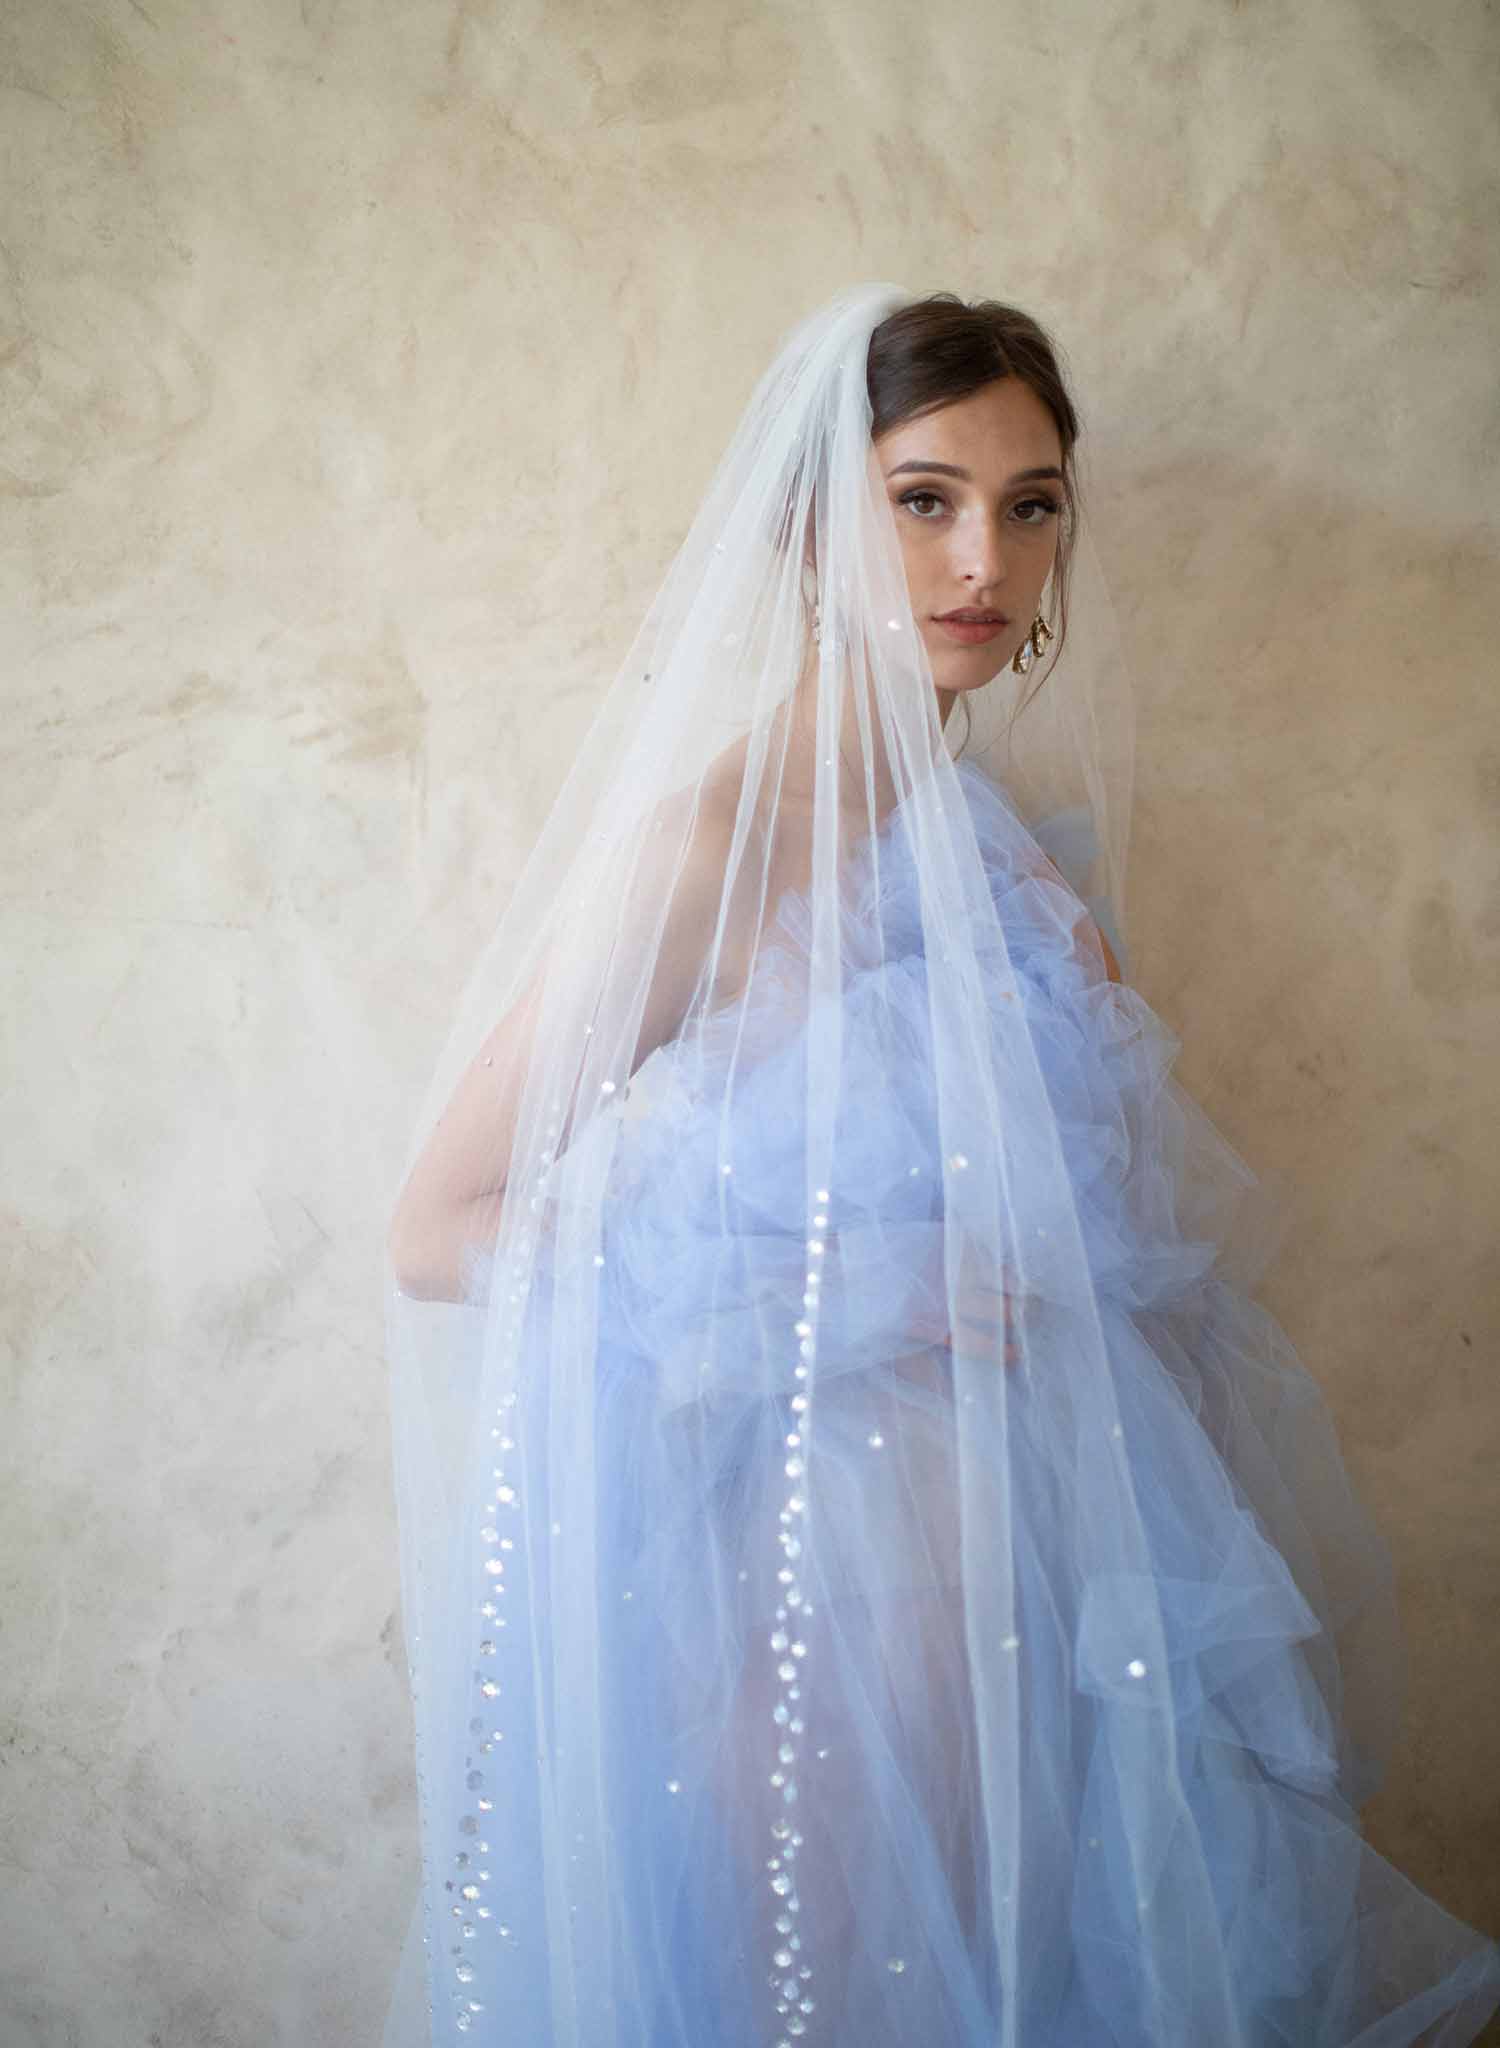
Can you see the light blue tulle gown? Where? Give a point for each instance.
(1231, 1902)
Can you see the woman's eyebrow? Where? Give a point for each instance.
(1022, 476)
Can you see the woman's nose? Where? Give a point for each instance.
(981, 553)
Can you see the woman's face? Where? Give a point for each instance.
(976, 494)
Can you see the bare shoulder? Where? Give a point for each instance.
(675, 904)
(693, 829)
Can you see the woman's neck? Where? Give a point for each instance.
(799, 721)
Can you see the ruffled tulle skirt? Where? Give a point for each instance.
(933, 1801)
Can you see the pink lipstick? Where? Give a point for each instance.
(971, 628)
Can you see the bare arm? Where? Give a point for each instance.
(1092, 931)
(453, 1196)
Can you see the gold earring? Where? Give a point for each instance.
(1032, 645)
(810, 596)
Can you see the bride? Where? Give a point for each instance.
(873, 1572)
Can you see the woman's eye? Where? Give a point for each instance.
(919, 498)
(1047, 507)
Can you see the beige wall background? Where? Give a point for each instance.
(360, 367)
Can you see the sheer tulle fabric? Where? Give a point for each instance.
(874, 1574)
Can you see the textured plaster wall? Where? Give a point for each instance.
(359, 365)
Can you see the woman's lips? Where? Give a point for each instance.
(971, 632)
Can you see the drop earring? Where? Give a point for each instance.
(811, 595)
(1032, 645)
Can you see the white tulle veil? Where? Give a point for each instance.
(725, 1171)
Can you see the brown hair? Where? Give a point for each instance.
(939, 349)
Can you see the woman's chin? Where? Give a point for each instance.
(970, 671)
